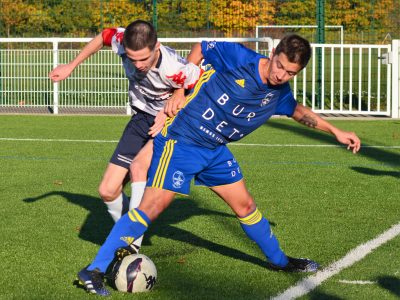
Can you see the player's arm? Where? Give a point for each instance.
(307, 117)
(63, 71)
(191, 73)
(177, 100)
(195, 56)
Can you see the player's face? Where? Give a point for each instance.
(143, 59)
(281, 70)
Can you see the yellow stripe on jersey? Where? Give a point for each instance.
(159, 177)
(251, 219)
(203, 79)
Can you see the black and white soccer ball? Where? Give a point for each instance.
(135, 273)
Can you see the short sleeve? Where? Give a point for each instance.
(286, 104)
(226, 56)
(113, 37)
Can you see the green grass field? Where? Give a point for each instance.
(322, 201)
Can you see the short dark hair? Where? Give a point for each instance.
(139, 35)
(296, 48)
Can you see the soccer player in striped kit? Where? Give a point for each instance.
(157, 78)
(239, 94)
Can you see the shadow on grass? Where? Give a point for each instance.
(390, 283)
(374, 172)
(378, 154)
(323, 296)
(98, 224)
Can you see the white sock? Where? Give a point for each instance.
(136, 198)
(116, 207)
(137, 193)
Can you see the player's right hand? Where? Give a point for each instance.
(175, 103)
(61, 72)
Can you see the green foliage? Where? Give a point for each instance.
(195, 17)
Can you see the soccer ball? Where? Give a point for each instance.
(134, 273)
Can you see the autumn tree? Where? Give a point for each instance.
(182, 18)
(237, 17)
(117, 13)
(356, 15)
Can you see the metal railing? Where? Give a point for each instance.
(347, 79)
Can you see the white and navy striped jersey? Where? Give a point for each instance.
(149, 91)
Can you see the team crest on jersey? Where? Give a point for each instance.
(266, 99)
(211, 45)
(240, 82)
(179, 78)
(178, 179)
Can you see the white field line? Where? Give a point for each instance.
(306, 285)
(232, 144)
(357, 281)
(57, 140)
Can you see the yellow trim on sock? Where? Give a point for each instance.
(136, 217)
(251, 219)
(131, 216)
(139, 218)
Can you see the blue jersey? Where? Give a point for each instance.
(230, 100)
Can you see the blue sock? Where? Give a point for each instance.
(128, 228)
(257, 228)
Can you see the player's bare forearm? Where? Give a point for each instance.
(63, 71)
(307, 117)
(92, 47)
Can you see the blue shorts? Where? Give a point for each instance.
(174, 164)
(134, 137)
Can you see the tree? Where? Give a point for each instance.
(296, 13)
(117, 13)
(236, 17)
(14, 15)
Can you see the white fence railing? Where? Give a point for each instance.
(340, 78)
(348, 79)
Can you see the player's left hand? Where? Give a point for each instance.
(159, 122)
(350, 139)
(175, 103)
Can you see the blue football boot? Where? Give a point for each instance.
(93, 281)
(297, 265)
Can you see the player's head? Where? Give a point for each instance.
(141, 45)
(290, 56)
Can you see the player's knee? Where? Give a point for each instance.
(107, 193)
(246, 207)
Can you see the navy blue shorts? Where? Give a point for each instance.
(134, 137)
(175, 164)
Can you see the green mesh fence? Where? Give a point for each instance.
(370, 22)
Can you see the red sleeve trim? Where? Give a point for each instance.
(107, 35)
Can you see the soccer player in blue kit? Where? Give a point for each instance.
(240, 93)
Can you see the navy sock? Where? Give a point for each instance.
(127, 229)
(257, 228)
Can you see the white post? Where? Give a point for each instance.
(55, 84)
(395, 79)
(257, 38)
